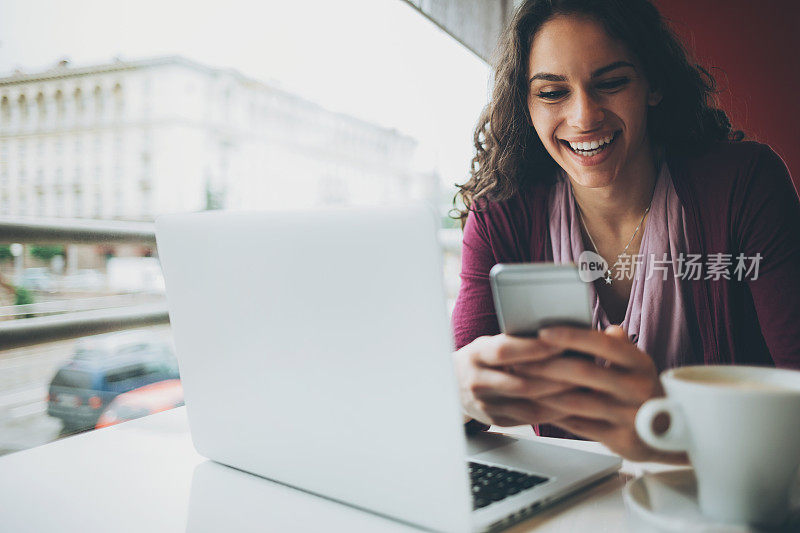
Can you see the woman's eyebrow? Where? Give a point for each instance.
(546, 76)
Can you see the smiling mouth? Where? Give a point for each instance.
(590, 153)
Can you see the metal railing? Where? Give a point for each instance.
(75, 231)
(38, 330)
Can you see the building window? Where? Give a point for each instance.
(98, 101)
(60, 107)
(23, 203)
(60, 202)
(41, 206)
(41, 107)
(119, 103)
(78, 200)
(22, 104)
(5, 110)
(78, 99)
(98, 204)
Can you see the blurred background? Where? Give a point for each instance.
(112, 113)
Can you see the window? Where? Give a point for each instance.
(74, 379)
(119, 103)
(147, 134)
(126, 373)
(60, 106)
(22, 104)
(77, 97)
(99, 102)
(41, 108)
(5, 111)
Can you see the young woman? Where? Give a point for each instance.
(600, 135)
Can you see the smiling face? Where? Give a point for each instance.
(587, 88)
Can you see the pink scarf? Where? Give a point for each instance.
(656, 317)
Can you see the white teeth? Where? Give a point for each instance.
(591, 145)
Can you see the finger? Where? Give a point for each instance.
(592, 405)
(488, 383)
(623, 385)
(587, 428)
(611, 346)
(518, 412)
(504, 349)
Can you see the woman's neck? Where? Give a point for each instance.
(613, 209)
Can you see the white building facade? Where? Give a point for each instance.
(132, 139)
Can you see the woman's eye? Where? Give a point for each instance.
(613, 84)
(551, 95)
(604, 86)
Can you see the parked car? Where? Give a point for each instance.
(37, 279)
(143, 401)
(102, 368)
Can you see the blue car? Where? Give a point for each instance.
(100, 370)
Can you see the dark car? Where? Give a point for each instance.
(101, 370)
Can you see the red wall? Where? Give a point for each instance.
(757, 45)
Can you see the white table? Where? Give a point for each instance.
(145, 476)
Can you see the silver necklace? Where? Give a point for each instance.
(608, 277)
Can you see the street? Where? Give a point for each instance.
(25, 374)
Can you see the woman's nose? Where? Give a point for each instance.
(584, 112)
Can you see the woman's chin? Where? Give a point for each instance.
(591, 181)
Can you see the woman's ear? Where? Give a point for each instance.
(654, 98)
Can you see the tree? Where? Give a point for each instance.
(5, 252)
(22, 296)
(46, 253)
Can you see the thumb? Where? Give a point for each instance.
(616, 331)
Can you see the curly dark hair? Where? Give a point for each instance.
(509, 153)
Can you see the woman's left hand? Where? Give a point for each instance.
(604, 408)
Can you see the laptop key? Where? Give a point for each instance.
(493, 484)
(477, 503)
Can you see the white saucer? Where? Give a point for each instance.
(667, 502)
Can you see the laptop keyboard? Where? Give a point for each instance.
(492, 483)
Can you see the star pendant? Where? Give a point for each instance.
(608, 277)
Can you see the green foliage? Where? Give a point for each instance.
(46, 253)
(23, 296)
(5, 252)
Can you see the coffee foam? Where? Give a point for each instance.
(740, 382)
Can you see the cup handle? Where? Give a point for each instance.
(674, 439)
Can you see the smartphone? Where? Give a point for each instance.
(532, 296)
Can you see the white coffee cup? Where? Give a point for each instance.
(740, 426)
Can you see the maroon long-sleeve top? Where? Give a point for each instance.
(738, 198)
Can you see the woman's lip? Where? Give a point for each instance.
(595, 159)
(595, 138)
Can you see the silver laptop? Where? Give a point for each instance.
(314, 349)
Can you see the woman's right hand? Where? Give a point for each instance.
(491, 393)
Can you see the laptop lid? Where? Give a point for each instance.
(314, 350)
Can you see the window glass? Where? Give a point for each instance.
(75, 379)
(290, 105)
